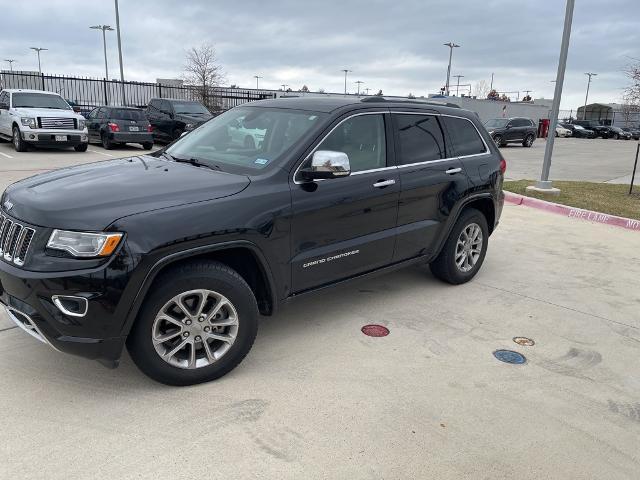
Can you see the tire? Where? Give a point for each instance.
(214, 278)
(444, 267)
(176, 134)
(498, 140)
(616, 137)
(528, 140)
(557, 135)
(249, 142)
(147, 145)
(19, 144)
(81, 148)
(107, 144)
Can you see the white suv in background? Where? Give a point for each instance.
(39, 118)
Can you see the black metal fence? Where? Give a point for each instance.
(88, 93)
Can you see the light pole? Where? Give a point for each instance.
(38, 50)
(104, 29)
(458, 84)
(367, 90)
(586, 97)
(451, 46)
(284, 87)
(257, 77)
(120, 51)
(10, 60)
(346, 71)
(359, 82)
(545, 184)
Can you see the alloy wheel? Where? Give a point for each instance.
(468, 247)
(195, 329)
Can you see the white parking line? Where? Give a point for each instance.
(5, 155)
(101, 153)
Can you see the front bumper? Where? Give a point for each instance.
(48, 137)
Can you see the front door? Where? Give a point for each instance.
(346, 226)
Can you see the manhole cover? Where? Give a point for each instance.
(509, 356)
(524, 341)
(375, 330)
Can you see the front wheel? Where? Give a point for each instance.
(198, 323)
(81, 148)
(464, 251)
(498, 140)
(528, 140)
(19, 144)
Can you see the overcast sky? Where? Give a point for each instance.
(395, 46)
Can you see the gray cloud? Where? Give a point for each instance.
(393, 46)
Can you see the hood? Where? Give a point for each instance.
(47, 112)
(90, 197)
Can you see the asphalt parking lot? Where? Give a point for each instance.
(315, 398)
(591, 160)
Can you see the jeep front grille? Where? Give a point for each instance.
(57, 123)
(15, 240)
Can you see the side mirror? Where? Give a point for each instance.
(508, 126)
(326, 164)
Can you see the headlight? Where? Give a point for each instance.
(83, 244)
(189, 126)
(28, 122)
(81, 124)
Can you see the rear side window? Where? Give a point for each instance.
(420, 138)
(465, 137)
(127, 114)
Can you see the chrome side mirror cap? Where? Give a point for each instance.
(327, 164)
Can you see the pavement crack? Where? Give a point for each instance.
(8, 328)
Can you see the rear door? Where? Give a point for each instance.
(432, 181)
(346, 226)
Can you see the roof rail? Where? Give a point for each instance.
(378, 98)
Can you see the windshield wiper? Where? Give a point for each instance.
(195, 162)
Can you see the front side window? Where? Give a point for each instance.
(39, 100)
(421, 138)
(362, 138)
(246, 139)
(465, 137)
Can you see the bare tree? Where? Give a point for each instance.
(481, 90)
(203, 72)
(632, 92)
(304, 88)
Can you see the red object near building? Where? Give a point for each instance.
(543, 127)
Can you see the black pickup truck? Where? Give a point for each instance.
(178, 253)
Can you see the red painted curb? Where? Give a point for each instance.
(588, 215)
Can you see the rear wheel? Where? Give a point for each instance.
(19, 144)
(147, 145)
(107, 144)
(198, 323)
(528, 140)
(176, 134)
(464, 251)
(499, 141)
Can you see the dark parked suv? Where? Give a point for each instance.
(176, 254)
(111, 126)
(170, 118)
(512, 130)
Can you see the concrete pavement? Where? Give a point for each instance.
(317, 399)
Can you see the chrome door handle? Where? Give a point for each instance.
(384, 183)
(453, 171)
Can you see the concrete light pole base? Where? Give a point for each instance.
(545, 188)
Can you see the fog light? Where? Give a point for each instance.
(71, 305)
(32, 136)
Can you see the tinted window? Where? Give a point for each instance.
(496, 123)
(4, 98)
(421, 138)
(465, 137)
(362, 138)
(102, 113)
(189, 107)
(127, 114)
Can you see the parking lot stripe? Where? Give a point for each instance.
(5, 155)
(102, 153)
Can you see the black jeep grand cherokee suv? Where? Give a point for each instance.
(175, 255)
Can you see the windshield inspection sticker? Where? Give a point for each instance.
(261, 161)
(330, 259)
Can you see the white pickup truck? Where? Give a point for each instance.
(39, 118)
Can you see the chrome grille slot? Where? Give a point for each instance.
(15, 240)
(57, 123)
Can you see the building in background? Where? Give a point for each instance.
(616, 114)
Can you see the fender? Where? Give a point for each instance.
(188, 253)
(453, 218)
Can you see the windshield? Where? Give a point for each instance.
(190, 107)
(578, 127)
(39, 100)
(247, 137)
(496, 123)
(127, 114)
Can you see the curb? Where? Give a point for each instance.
(572, 212)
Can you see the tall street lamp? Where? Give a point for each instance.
(346, 71)
(38, 50)
(458, 83)
(586, 97)
(257, 77)
(10, 60)
(359, 82)
(451, 46)
(120, 51)
(104, 29)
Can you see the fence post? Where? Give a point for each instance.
(635, 165)
(160, 90)
(43, 81)
(104, 86)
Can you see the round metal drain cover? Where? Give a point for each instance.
(509, 356)
(375, 330)
(524, 341)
